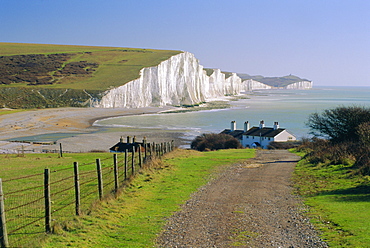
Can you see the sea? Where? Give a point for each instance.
(290, 108)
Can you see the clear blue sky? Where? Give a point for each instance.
(327, 41)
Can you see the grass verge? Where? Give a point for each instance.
(339, 203)
(136, 217)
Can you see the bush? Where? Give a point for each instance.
(322, 151)
(284, 145)
(213, 141)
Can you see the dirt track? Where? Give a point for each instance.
(249, 205)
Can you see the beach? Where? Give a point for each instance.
(76, 128)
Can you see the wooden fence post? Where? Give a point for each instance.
(145, 148)
(115, 171)
(47, 200)
(100, 178)
(4, 234)
(133, 161)
(77, 188)
(126, 156)
(140, 157)
(60, 150)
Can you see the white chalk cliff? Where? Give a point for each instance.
(303, 85)
(180, 80)
(251, 84)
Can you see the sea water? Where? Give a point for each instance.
(291, 108)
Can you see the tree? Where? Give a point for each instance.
(339, 124)
(213, 141)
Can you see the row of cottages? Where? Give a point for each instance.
(259, 136)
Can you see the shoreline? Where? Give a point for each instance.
(79, 121)
(49, 123)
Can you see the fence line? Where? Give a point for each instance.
(65, 191)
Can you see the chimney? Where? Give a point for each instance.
(121, 140)
(246, 126)
(233, 126)
(128, 139)
(276, 125)
(134, 139)
(262, 124)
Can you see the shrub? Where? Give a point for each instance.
(284, 145)
(213, 141)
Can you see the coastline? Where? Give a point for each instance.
(77, 124)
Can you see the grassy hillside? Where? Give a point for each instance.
(274, 81)
(38, 75)
(338, 200)
(98, 67)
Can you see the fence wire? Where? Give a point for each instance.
(24, 197)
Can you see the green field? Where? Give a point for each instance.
(23, 180)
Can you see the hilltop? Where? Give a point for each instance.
(273, 81)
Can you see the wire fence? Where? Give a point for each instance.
(31, 206)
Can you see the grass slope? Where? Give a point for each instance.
(138, 215)
(339, 203)
(117, 66)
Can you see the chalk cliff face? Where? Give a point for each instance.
(180, 80)
(176, 81)
(220, 86)
(304, 85)
(250, 84)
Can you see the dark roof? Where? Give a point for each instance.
(121, 147)
(236, 133)
(263, 132)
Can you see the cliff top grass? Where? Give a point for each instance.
(74, 67)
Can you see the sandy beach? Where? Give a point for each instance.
(77, 124)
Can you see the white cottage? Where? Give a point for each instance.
(259, 136)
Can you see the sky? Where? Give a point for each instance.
(326, 41)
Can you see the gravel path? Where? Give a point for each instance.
(249, 205)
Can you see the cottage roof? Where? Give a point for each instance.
(263, 132)
(121, 147)
(236, 133)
